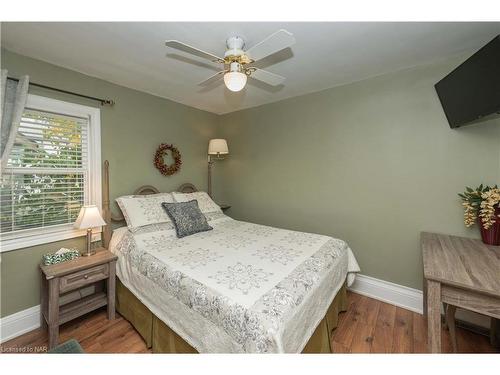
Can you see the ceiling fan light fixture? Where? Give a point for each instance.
(235, 81)
(236, 61)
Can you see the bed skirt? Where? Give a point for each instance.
(162, 339)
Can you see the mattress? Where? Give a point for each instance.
(239, 288)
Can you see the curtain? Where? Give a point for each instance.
(13, 96)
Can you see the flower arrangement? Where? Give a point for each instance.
(482, 202)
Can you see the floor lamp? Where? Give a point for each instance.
(217, 148)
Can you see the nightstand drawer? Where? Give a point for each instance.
(81, 278)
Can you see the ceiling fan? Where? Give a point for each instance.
(238, 62)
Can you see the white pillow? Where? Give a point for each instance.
(144, 209)
(205, 203)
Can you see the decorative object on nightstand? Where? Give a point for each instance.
(89, 218)
(74, 275)
(217, 148)
(482, 205)
(62, 255)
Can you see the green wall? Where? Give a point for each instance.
(373, 162)
(130, 131)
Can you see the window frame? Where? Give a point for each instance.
(93, 191)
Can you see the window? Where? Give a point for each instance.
(52, 170)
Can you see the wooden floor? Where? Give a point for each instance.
(371, 326)
(368, 326)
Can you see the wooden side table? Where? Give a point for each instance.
(460, 272)
(68, 276)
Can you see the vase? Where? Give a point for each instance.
(491, 236)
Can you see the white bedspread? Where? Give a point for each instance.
(241, 287)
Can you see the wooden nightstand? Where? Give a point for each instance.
(58, 279)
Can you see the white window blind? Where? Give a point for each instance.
(46, 179)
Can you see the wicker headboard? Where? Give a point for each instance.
(146, 190)
(143, 190)
(187, 188)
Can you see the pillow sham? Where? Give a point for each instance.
(143, 210)
(187, 218)
(205, 203)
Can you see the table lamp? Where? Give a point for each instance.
(89, 218)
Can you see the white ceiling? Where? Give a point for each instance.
(325, 54)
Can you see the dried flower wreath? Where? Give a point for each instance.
(159, 163)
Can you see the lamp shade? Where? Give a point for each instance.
(217, 147)
(89, 217)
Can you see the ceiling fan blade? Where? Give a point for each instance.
(267, 77)
(275, 42)
(192, 50)
(212, 78)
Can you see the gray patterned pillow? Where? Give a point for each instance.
(187, 218)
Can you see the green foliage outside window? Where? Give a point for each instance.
(31, 197)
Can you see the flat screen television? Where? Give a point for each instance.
(471, 92)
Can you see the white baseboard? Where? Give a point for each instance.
(19, 323)
(408, 298)
(27, 320)
(398, 295)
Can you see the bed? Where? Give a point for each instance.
(239, 288)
